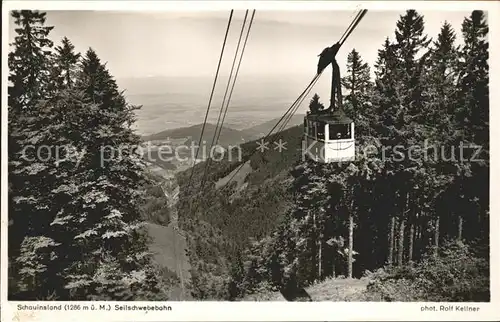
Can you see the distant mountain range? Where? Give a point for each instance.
(228, 136)
(258, 131)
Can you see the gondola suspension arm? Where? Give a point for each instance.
(328, 56)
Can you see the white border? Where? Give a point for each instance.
(263, 311)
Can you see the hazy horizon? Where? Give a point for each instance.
(166, 61)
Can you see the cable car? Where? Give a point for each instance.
(329, 137)
(329, 134)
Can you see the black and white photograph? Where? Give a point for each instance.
(248, 155)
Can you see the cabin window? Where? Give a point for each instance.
(305, 123)
(321, 131)
(340, 131)
(315, 129)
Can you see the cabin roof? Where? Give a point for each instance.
(337, 117)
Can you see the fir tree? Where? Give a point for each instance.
(411, 41)
(315, 105)
(399, 99)
(387, 97)
(48, 188)
(65, 62)
(28, 62)
(472, 122)
(108, 256)
(441, 88)
(439, 109)
(28, 89)
(473, 100)
(358, 84)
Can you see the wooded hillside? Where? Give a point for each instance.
(417, 193)
(76, 186)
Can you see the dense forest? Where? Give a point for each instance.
(411, 212)
(77, 190)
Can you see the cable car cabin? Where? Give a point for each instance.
(329, 137)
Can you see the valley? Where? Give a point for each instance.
(169, 243)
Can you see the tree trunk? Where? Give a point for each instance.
(410, 246)
(436, 236)
(418, 237)
(391, 241)
(418, 242)
(402, 231)
(319, 256)
(353, 100)
(315, 251)
(460, 227)
(401, 242)
(351, 239)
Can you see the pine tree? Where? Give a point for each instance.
(65, 61)
(48, 188)
(28, 62)
(399, 101)
(315, 105)
(108, 256)
(439, 110)
(28, 92)
(388, 122)
(411, 41)
(473, 80)
(387, 95)
(441, 86)
(357, 82)
(472, 120)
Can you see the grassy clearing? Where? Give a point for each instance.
(239, 178)
(332, 290)
(169, 248)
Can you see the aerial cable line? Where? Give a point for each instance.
(211, 96)
(313, 81)
(236, 75)
(301, 97)
(351, 29)
(218, 126)
(296, 107)
(348, 31)
(306, 90)
(343, 38)
(294, 110)
(237, 70)
(350, 25)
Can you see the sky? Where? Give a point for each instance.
(166, 61)
(281, 43)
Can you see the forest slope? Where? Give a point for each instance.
(221, 222)
(293, 222)
(228, 136)
(266, 176)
